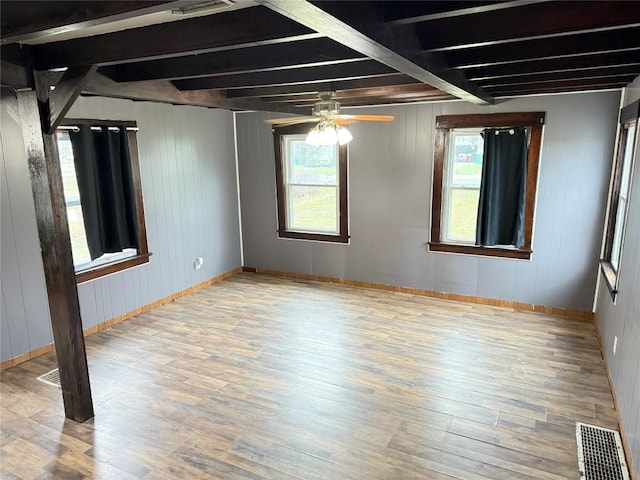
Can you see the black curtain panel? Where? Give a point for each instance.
(503, 187)
(103, 170)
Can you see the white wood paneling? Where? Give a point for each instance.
(622, 319)
(25, 311)
(390, 174)
(188, 180)
(188, 176)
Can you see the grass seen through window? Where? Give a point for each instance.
(311, 187)
(312, 173)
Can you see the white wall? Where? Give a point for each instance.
(390, 169)
(188, 173)
(24, 317)
(622, 319)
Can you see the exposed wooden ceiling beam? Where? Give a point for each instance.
(386, 99)
(23, 21)
(399, 9)
(561, 86)
(382, 99)
(344, 95)
(13, 70)
(582, 62)
(598, 73)
(464, 10)
(15, 76)
(313, 52)
(223, 31)
(423, 67)
(327, 73)
(555, 47)
(314, 88)
(526, 22)
(61, 99)
(371, 101)
(514, 92)
(165, 92)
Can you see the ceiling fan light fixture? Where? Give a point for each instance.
(313, 137)
(344, 136)
(328, 135)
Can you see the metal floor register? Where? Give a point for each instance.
(600, 453)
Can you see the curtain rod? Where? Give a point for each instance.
(76, 129)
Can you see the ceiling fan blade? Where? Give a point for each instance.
(366, 118)
(344, 121)
(292, 120)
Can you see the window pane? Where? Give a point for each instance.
(627, 160)
(467, 159)
(70, 185)
(313, 209)
(464, 173)
(311, 165)
(79, 247)
(463, 213)
(617, 234)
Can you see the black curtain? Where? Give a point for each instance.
(503, 187)
(103, 170)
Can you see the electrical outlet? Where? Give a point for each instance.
(615, 344)
(197, 263)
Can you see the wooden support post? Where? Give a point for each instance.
(66, 92)
(53, 229)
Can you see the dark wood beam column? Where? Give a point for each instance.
(583, 62)
(12, 75)
(424, 67)
(604, 42)
(23, 21)
(305, 53)
(326, 73)
(314, 88)
(456, 12)
(53, 229)
(235, 29)
(13, 70)
(164, 92)
(527, 22)
(60, 100)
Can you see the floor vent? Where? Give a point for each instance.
(600, 453)
(51, 378)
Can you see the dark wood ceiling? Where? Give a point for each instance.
(276, 55)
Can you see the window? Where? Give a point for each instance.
(461, 186)
(311, 187)
(619, 196)
(103, 196)
(484, 183)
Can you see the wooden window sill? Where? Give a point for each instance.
(318, 237)
(113, 267)
(521, 254)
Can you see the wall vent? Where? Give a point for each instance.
(51, 378)
(600, 453)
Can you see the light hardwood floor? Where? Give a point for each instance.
(261, 377)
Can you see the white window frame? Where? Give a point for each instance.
(289, 187)
(110, 263)
(448, 187)
(619, 195)
(283, 187)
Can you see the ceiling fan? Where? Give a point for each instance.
(329, 128)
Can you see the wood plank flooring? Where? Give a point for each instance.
(261, 377)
